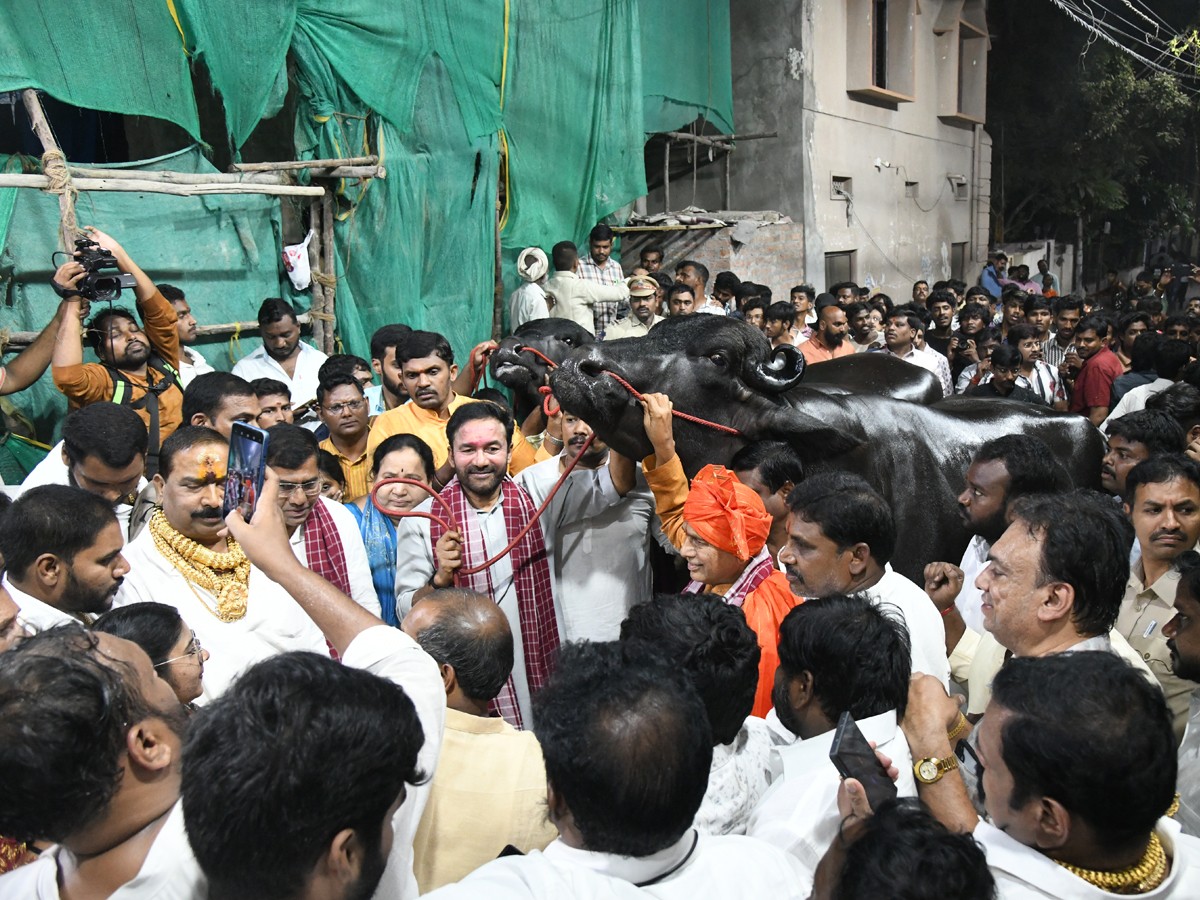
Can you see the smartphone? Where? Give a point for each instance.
(853, 757)
(247, 463)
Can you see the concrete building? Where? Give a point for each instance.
(881, 157)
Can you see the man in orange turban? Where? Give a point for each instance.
(720, 527)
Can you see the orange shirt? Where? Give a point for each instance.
(816, 352)
(92, 383)
(764, 607)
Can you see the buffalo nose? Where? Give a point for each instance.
(590, 367)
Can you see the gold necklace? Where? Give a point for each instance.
(225, 575)
(1145, 875)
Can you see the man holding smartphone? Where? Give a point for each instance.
(838, 655)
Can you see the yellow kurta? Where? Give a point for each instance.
(431, 428)
(489, 791)
(357, 472)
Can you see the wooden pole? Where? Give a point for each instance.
(329, 249)
(17, 339)
(315, 263)
(180, 177)
(139, 186)
(305, 164)
(498, 282)
(53, 163)
(667, 175)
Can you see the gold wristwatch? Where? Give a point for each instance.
(930, 769)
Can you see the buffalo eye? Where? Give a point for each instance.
(718, 359)
(570, 342)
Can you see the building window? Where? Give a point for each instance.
(962, 48)
(887, 29)
(959, 187)
(912, 189)
(958, 260)
(840, 266)
(841, 187)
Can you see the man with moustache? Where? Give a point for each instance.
(138, 368)
(487, 512)
(1162, 499)
(829, 338)
(1133, 439)
(62, 555)
(594, 596)
(390, 392)
(1067, 313)
(282, 354)
(1001, 471)
(1183, 644)
(185, 558)
(643, 302)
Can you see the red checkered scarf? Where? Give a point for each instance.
(757, 570)
(531, 580)
(325, 554)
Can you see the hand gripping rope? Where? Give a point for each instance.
(450, 525)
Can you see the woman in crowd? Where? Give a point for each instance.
(172, 646)
(400, 456)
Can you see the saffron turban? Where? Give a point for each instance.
(726, 513)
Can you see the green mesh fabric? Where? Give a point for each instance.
(123, 56)
(222, 249)
(437, 89)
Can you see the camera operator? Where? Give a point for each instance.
(138, 368)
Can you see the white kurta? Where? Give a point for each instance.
(274, 622)
(1188, 780)
(169, 872)
(392, 654)
(601, 563)
(737, 779)
(926, 631)
(799, 812)
(970, 598)
(1022, 873)
(303, 385)
(191, 364)
(727, 866)
(38, 616)
(362, 590)
(415, 565)
(52, 470)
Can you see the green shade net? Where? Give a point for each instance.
(222, 250)
(122, 56)
(436, 89)
(686, 63)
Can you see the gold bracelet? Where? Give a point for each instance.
(959, 727)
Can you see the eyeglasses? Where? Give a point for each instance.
(193, 649)
(338, 408)
(310, 488)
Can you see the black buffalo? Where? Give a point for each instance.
(523, 372)
(863, 373)
(724, 371)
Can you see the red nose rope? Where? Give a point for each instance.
(449, 524)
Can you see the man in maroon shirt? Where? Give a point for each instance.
(1091, 369)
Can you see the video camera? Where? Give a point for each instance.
(95, 285)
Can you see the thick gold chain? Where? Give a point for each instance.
(1145, 876)
(225, 575)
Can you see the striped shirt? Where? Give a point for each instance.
(604, 312)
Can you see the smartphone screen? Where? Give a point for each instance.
(247, 461)
(853, 757)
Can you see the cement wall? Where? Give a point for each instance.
(774, 256)
(789, 63)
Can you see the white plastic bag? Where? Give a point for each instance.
(295, 260)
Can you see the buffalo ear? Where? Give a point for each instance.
(811, 438)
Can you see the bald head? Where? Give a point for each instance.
(467, 632)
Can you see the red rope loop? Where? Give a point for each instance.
(547, 395)
(487, 563)
(539, 354)
(480, 374)
(681, 415)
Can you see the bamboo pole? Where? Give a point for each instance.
(315, 263)
(350, 172)
(53, 159)
(181, 177)
(305, 164)
(17, 339)
(159, 187)
(329, 250)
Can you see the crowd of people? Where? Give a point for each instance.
(455, 653)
